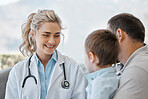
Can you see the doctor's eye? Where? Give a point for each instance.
(57, 35)
(45, 35)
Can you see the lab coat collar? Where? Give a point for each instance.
(61, 58)
(33, 67)
(57, 69)
(34, 70)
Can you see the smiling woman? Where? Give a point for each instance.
(47, 40)
(51, 74)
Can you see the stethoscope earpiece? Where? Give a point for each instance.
(65, 84)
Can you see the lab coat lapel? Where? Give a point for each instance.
(34, 70)
(57, 69)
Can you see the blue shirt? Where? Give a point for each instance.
(102, 84)
(45, 74)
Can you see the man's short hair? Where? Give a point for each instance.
(128, 23)
(104, 45)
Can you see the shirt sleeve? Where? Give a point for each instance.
(133, 84)
(104, 88)
(11, 87)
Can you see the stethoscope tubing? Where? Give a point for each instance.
(29, 74)
(65, 84)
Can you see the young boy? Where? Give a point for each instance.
(101, 51)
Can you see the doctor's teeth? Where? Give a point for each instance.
(50, 46)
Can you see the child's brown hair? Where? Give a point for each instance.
(104, 45)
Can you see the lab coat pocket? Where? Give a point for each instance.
(30, 90)
(63, 93)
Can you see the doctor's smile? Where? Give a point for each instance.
(49, 47)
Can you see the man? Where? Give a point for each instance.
(133, 54)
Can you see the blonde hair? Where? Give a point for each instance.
(34, 20)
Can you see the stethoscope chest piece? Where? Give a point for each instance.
(65, 84)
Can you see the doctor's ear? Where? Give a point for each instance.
(32, 35)
(91, 57)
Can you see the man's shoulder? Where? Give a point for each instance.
(133, 83)
(139, 62)
(133, 80)
(135, 77)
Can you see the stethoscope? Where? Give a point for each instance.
(65, 84)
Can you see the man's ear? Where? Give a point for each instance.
(120, 35)
(91, 57)
(32, 35)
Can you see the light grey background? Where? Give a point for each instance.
(80, 17)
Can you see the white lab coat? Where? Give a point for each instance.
(31, 90)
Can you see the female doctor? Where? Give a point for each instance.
(46, 74)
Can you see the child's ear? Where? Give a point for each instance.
(32, 35)
(91, 57)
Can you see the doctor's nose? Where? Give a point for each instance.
(51, 40)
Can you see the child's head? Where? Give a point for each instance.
(101, 47)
